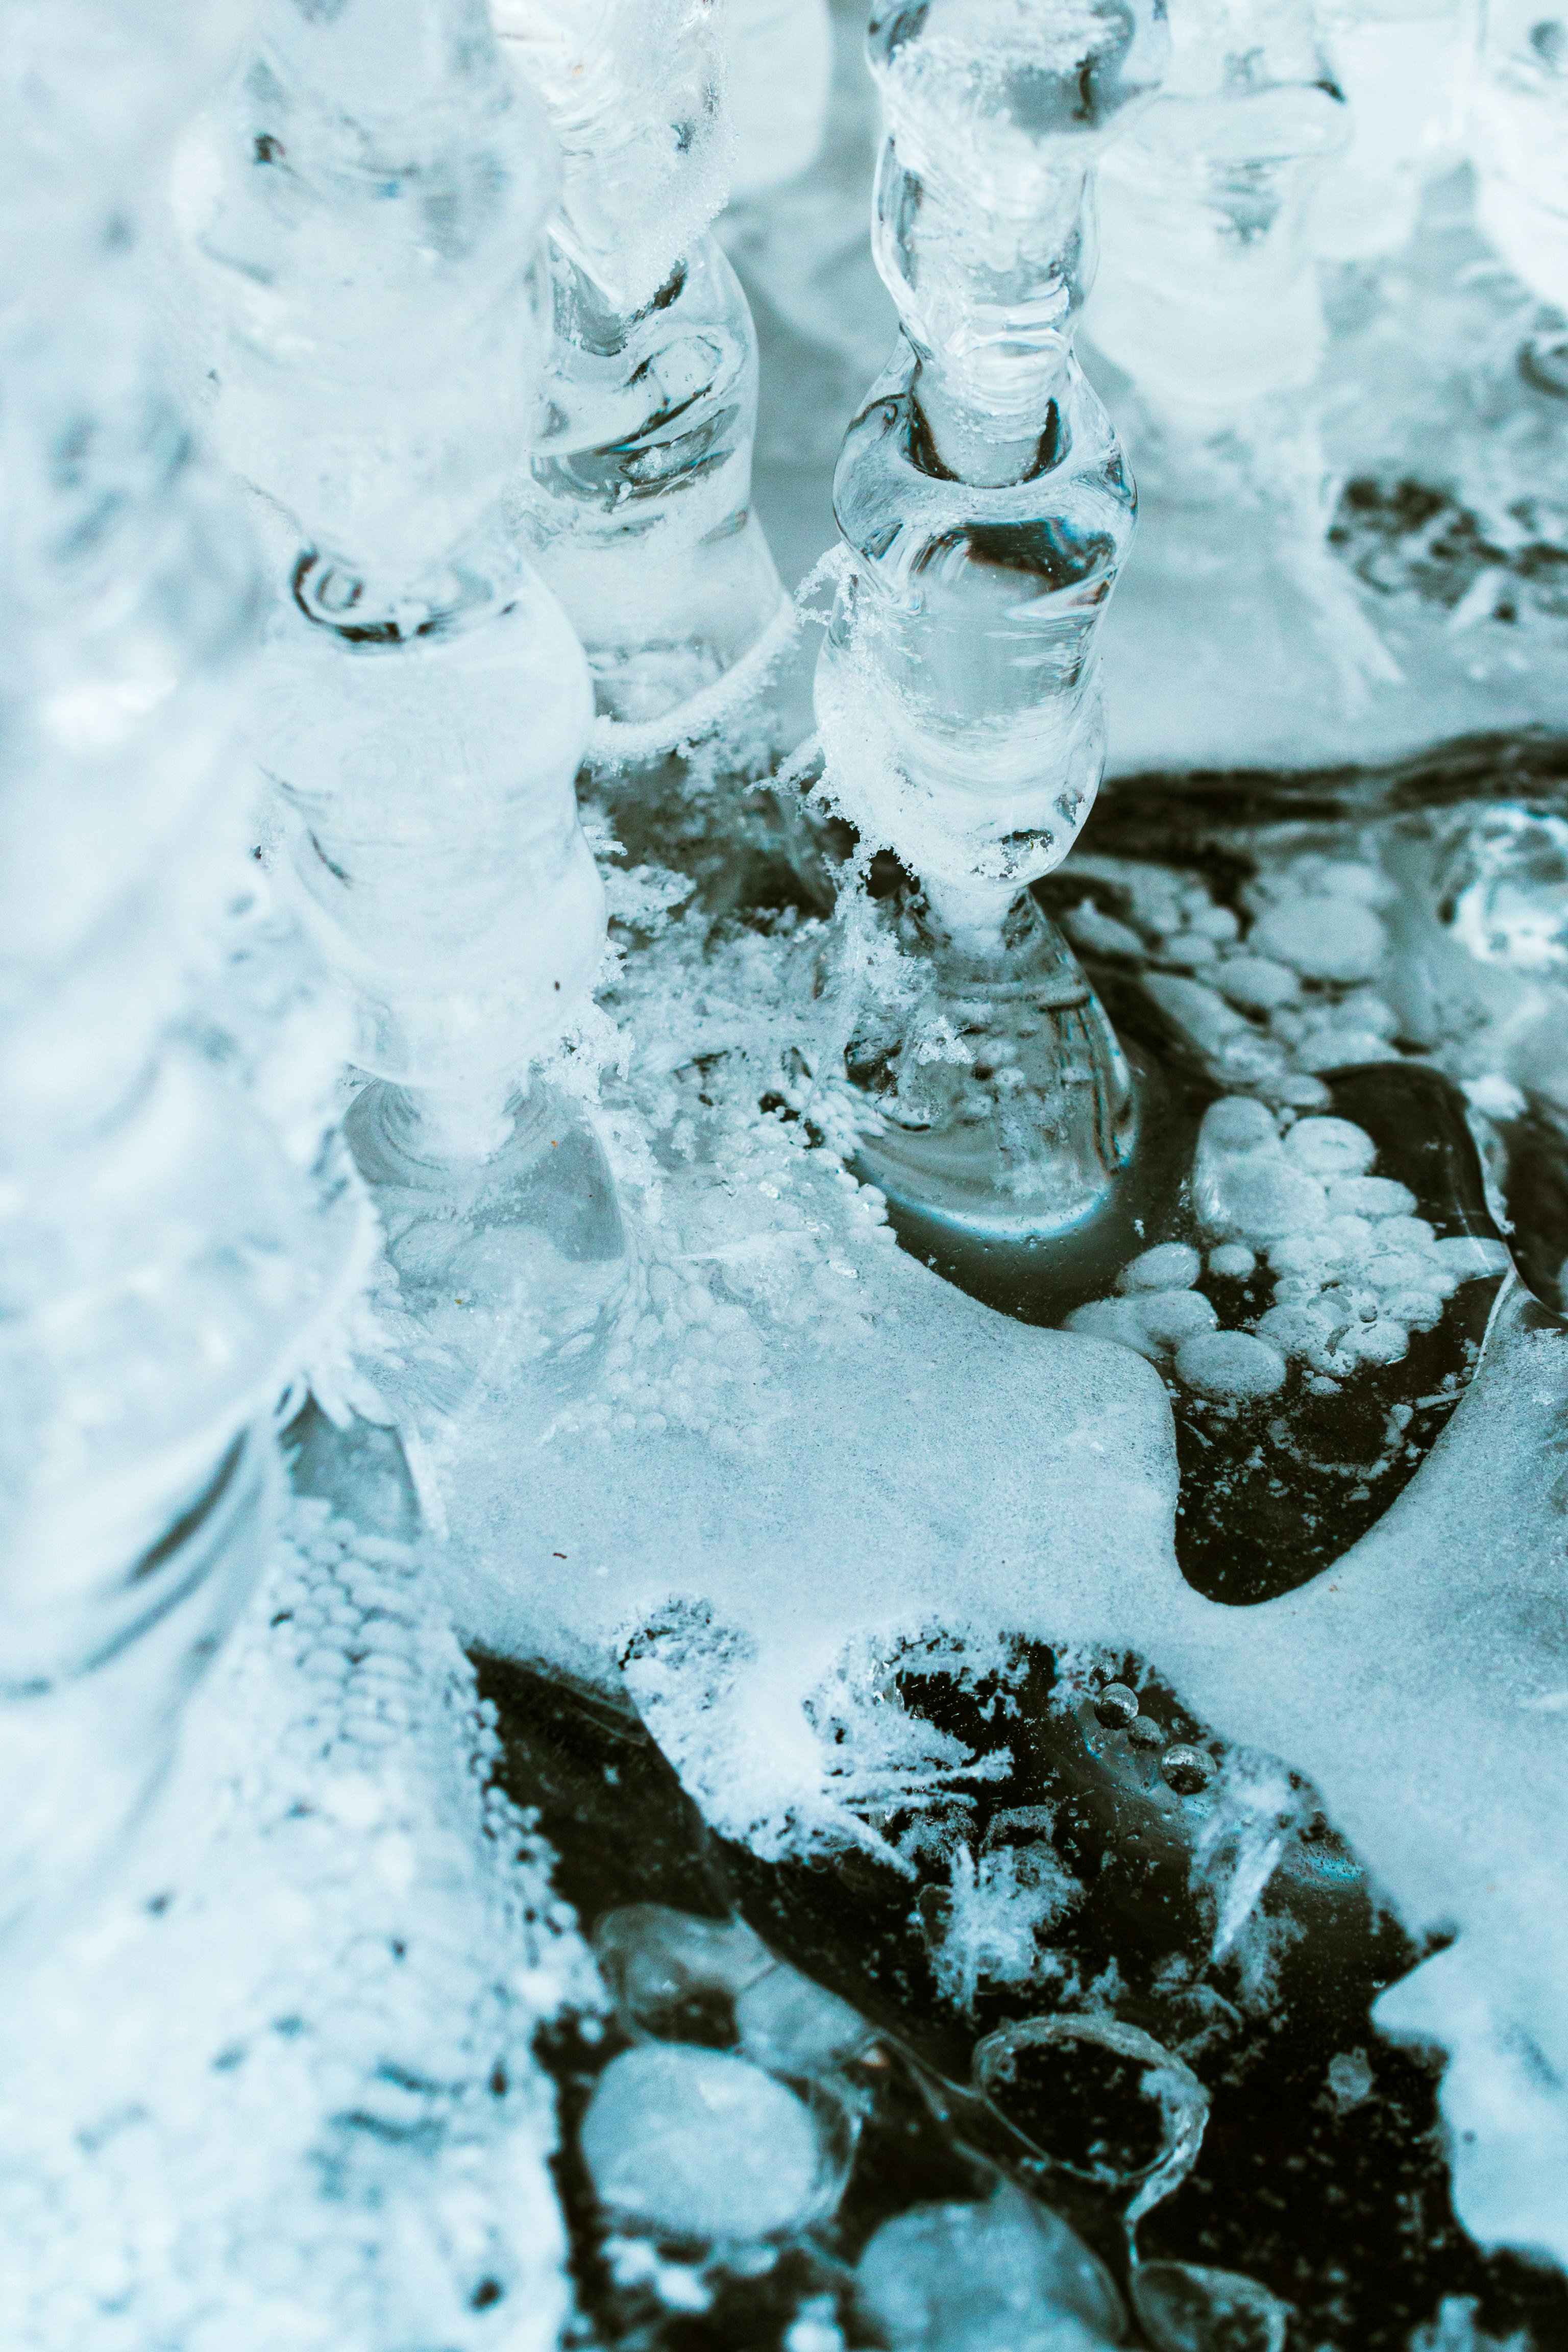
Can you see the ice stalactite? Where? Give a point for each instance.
(171, 1253)
(362, 212)
(1519, 114)
(985, 511)
(636, 501)
(1402, 66)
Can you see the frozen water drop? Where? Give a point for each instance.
(1187, 1769)
(1116, 1707)
(1185, 2308)
(791, 2025)
(1468, 1256)
(1113, 1318)
(1260, 1196)
(1383, 1342)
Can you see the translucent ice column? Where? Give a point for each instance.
(986, 511)
(1208, 291)
(1401, 65)
(365, 208)
(637, 499)
(1519, 138)
(166, 1255)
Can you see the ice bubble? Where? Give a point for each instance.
(1144, 1732)
(672, 1975)
(1467, 1255)
(1256, 983)
(1334, 1048)
(1303, 1329)
(1215, 922)
(1187, 1769)
(1190, 948)
(1396, 1269)
(1116, 1707)
(1244, 1186)
(1337, 877)
(1151, 1321)
(1351, 1302)
(1329, 1148)
(1238, 1123)
(1309, 1252)
(1370, 1196)
(1169, 1266)
(1233, 1258)
(1258, 1196)
(791, 2025)
(1404, 1233)
(1323, 939)
(1383, 1342)
(1003, 2277)
(1230, 1367)
(701, 2144)
(1169, 1316)
(1187, 2307)
(1114, 1318)
(1418, 1310)
(1099, 934)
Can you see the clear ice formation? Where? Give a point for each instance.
(775, 1458)
(363, 210)
(985, 509)
(1207, 292)
(1518, 114)
(636, 499)
(180, 1231)
(1402, 66)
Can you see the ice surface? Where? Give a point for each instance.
(807, 1502)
